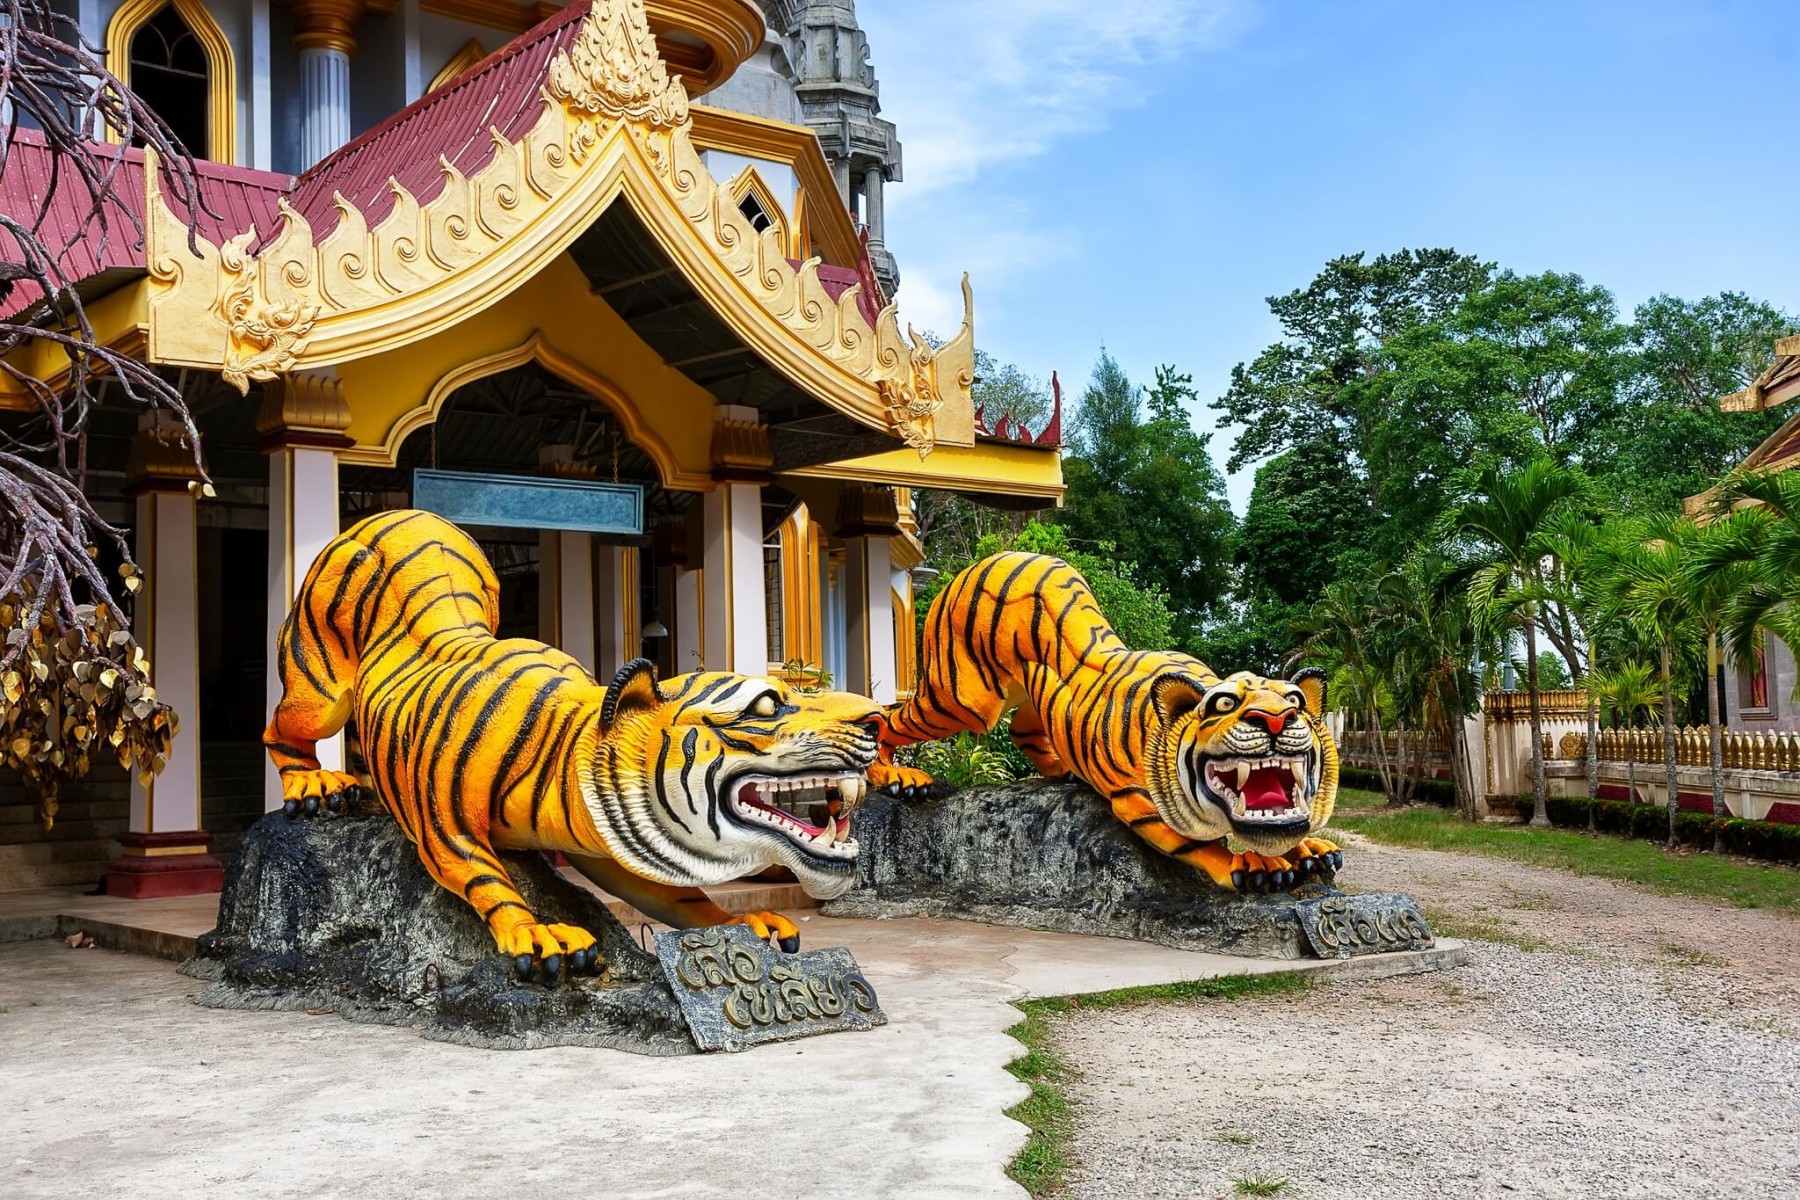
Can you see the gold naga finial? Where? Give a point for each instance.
(613, 69)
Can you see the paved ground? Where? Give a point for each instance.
(116, 1084)
(1603, 1042)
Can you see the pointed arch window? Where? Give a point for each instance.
(177, 58)
(170, 73)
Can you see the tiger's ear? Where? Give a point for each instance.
(633, 689)
(1311, 683)
(1174, 695)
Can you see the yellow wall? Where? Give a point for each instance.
(557, 321)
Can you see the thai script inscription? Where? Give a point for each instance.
(1344, 926)
(737, 991)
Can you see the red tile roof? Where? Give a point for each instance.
(240, 197)
(503, 91)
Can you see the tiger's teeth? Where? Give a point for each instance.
(1299, 773)
(1243, 774)
(850, 791)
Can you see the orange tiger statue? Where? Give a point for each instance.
(477, 744)
(1233, 776)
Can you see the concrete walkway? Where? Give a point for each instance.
(118, 1084)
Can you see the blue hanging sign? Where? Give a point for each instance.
(528, 502)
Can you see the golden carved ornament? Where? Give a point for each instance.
(613, 120)
(867, 511)
(741, 448)
(306, 404)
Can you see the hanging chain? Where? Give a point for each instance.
(615, 440)
(434, 460)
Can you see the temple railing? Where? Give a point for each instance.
(1742, 750)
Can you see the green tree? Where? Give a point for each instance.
(1500, 522)
(1629, 690)
(1308, 518)
(1668, 439)
(1305, 388)
(1655, 593)
(1140, 479)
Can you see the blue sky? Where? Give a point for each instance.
(1144, 172)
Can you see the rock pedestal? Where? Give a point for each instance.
(1049, 854)
(338, 913)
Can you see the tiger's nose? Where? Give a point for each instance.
(1274, 722)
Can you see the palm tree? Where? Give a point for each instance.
(1630, 689)
(1501, 521)
(1336, 633)
(1654, 594)
(1582, 554)
(1715, 577)
(1424, 608)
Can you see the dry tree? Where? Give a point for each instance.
(72, 680)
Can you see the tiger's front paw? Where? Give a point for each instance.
(305, 793)
(1316, 856)
(1262, 873)
(766, 925)
(908, 783)
(548, 952)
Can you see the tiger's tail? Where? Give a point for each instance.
(396, 574)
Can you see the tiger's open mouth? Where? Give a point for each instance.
(769, 802)
(1270, 792)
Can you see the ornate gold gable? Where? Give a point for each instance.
(614, 126)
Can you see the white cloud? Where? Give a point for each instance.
(976, 82)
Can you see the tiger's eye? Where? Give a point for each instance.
(764, 707)
(1222, 704)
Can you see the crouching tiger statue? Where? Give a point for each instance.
(477, 744)
(1233, 776)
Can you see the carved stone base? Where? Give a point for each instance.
(338, 913)
(157, 865)
(1050, 855)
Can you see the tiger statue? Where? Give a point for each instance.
(1233, 776)
(477, 744)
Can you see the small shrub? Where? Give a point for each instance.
(1440, 792)
(1771, 841)
(964, 761)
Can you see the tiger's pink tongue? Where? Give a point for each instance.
(1267, 787)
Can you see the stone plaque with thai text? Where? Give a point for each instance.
(737, 991)
(1373, 923)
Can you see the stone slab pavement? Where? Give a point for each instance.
(116, 1083)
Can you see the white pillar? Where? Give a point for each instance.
(869, 608)
(734, 605)
(832, 617)
(303, 518)
(166, 625)
(566, 593)
(262, 117)
(324, 102)
(872, 204)
(616, 606)
(164, 851)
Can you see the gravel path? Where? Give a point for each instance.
(1603, 1042)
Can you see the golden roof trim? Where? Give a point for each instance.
(618, 132)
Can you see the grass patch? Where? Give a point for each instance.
(1234, 1137)
(1259, 1185)
(1691, 956)
(1040, 1167)
(1710, 876)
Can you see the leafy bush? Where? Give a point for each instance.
(1440, 792)
(964, 761)
(1770, 841)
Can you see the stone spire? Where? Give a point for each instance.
(841, 100)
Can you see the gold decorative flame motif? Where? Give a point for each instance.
(613, 69)
(615, 126)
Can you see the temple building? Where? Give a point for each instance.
(1761, 698)
(607, 284)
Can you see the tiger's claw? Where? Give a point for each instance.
(550, 953)
(908, 783)
(1316, 856)
(767, 925)
(307, 793)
